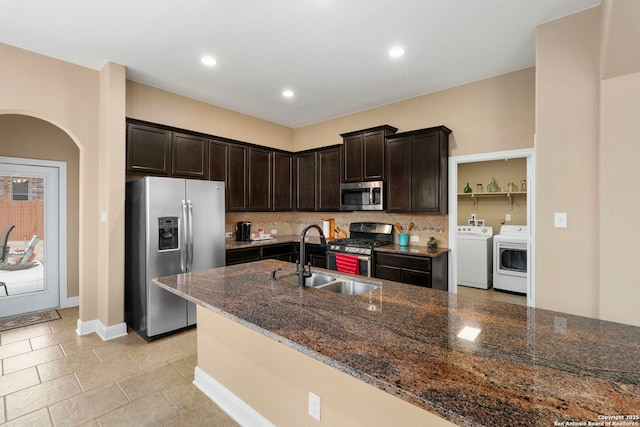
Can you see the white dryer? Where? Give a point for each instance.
(475, 256)
(510, 258)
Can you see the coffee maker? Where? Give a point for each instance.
(243, 231)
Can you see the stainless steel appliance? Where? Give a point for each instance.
(172, 226)
(363, 238)
(475, 256)
(510, 258)
(243, 231)
(362, 196)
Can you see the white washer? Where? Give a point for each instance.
(510, 258)
(475, 255)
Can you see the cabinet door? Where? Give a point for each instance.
(260, 180)
(283, 182)
(373, 156)
(148, 150)
(218, 159)
(306, 181)
(398, 171)
(190, 156)
(353, 151)
(329, 180)
(426, 188)
(237, 185)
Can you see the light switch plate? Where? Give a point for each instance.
(227, 235)
(415, 238)
(560, 220)
(507, 217)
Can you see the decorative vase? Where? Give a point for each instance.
(467, 189)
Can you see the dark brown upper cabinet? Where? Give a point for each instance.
(283, 181)
(364, 154)
(306, 181)
(156, 151)
(218, 157)
(237, 178)
(318, 179)
(417, 171)
(260, 179)
(148, 149)
(328, 179)
(190, 156)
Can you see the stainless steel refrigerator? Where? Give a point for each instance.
(172, 226)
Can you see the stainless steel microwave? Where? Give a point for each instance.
(362, 196)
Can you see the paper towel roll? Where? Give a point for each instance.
(326, 228)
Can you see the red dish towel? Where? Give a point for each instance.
(347, 264)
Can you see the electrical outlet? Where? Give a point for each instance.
(415, 238)
(314, 406)
(507, 217)
(274, 231)
(228, 235)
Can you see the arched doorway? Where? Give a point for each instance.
(31, 138)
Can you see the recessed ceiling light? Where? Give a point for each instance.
(209, 60)
(287, 93)
(396, 52)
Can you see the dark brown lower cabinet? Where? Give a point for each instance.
(282, 251)
(430, 272)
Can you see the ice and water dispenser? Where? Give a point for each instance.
(168, 233)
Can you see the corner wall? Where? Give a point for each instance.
(567, 177)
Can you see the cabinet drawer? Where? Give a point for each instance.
(238, 256)
(404, 261)
(272, 251)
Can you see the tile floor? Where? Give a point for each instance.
(493, 295)
(51, 376)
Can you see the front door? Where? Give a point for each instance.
(29, 212)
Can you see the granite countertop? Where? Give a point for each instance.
(527, 367)
(423, 251)
(295, 238)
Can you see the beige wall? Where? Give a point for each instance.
(567, 99)
(619, 247)
(490, 115)
(30, 138)
(158, 106)
(275, 381)
(587, 131)
(67, 96)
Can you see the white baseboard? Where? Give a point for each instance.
(72, 302)
(105, 332)
(235, 407)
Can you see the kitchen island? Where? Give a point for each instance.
(265, 341)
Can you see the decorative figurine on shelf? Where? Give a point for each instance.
(433, 243)
(523, 185)
(467, 189)
(493, 186)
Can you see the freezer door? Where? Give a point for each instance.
(206, 206)
(166, 312)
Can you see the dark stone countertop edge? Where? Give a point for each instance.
(414, 250)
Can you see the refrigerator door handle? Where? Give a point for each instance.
(190, 237)
(184, 239)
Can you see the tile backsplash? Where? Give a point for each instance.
(294, 222)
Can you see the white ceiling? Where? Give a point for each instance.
(332, 53)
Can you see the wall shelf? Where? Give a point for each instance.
(508, 195)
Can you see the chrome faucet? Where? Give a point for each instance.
(301, 272)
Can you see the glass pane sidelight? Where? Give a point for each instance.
(28, 221)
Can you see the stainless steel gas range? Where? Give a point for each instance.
(355, 254)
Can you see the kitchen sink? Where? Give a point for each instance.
(314, 281)
(348, 287)
(318, 280)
